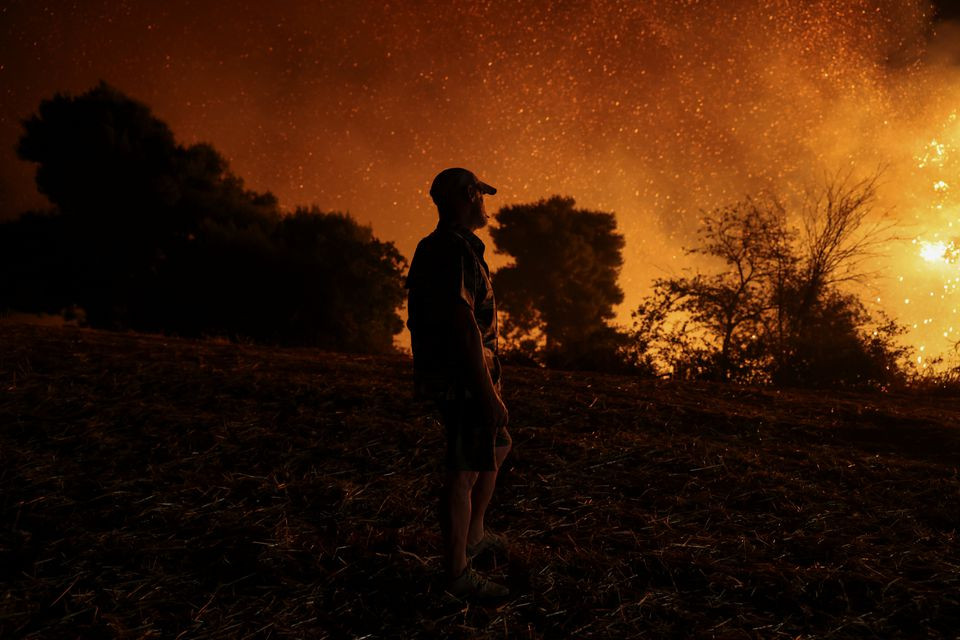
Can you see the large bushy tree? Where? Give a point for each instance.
(149, 234)
(340, 283)
(560, 290)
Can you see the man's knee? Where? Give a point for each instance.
(462, 481)
(504, 444)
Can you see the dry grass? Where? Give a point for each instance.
(157, 487)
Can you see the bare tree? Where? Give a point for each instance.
(841, 232)
(751, 240)
(775, 309)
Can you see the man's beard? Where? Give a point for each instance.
(478, 216)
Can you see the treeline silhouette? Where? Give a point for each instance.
(773, 310)
(150, 235)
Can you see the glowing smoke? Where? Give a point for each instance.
(653, 110)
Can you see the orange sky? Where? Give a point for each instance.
(654, 110)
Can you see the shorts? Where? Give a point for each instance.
(469, 445)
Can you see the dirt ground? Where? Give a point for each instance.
(157, 487)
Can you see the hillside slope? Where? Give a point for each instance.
(153, 486)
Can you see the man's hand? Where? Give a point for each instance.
(468, 343)
(496, 414)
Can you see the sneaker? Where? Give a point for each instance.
(472, 584)
(489, 542)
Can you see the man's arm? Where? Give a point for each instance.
(468, 345)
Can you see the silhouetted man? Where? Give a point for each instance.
(453, 329)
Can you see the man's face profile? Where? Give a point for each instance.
(458, 194)
(478, 211)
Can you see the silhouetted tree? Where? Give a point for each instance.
(839, 343)
(35, 269)
(342, 285)
(562, 285)
(131, 198)
(148, 234)
(774, 311)
(752, 242)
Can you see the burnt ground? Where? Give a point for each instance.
(159, 487)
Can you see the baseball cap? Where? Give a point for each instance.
(451, 182)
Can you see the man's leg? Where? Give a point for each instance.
(455, 514)
(482, 492)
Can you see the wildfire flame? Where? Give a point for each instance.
(938, 252)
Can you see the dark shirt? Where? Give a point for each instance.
(447, 269)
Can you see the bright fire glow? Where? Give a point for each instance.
(934, 251)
